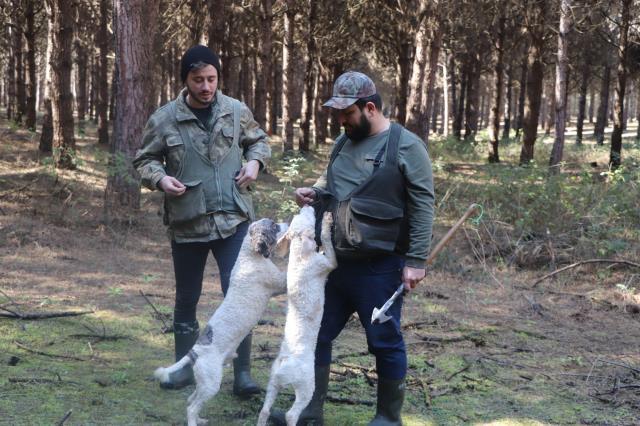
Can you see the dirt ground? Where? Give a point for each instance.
(486, 345)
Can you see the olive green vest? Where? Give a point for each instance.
(211, 185)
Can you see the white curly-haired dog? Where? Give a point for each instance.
(306, 275)
(254, 279)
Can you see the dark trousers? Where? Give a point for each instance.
(189, 260)
(359, 286)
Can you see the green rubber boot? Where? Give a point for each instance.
(390, 399)
(313, 414)
(185, 335)
(243, 384)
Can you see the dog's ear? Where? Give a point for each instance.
(282, 246)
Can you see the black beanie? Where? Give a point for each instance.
(197, 54)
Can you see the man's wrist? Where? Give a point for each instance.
(414, 262)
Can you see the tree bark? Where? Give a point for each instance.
(135, 26)
(494, 129)
(561, 85)
(46, 135)
(11, 71)
(582, 101)
(310, 77)
(603, 106)
(322, 113)
(615, 155)
(534, 82)
(522, 90)
(21, 90)
(506, 130)
(428, 100)
(264, 81)
(102, 101)
(415, 113)
(473, 99)
(457, 122)
(445, 98)
(32, 82)
(287, 78)
(404, 67)
(64, 143)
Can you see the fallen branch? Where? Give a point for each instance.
(34, 351)
(41, 315)
(584, 262)
(94, 334)
(38, 380)
(19, 189)
(165, 327)
(65, 418)
(463, 369)
(619, 364)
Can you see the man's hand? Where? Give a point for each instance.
(412, 276)
(248, 174)
(305, 196)
(171, 186)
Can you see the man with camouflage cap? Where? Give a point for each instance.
(361, 283)
(192, 150)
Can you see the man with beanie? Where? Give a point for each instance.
(381, 171)
(193, 150)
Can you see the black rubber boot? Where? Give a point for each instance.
(185, 335)
(390, 399)
(243, 384)
(313, 414)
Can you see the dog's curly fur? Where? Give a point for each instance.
(254, 280)
(306, 275)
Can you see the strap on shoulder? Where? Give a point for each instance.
(236, 121)
(393, 144)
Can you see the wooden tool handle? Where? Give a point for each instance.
(448, 235)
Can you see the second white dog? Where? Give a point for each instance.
(306, 275)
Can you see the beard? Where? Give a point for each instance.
(203, 101)
(359, 132)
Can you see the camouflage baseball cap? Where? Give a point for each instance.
(350, 87)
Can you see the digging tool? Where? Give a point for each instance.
(379, 315)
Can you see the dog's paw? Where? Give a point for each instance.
(201, 421)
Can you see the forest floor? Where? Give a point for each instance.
(486, 345)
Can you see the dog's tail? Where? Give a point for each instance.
(164, 374)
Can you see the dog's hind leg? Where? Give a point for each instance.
(304, 393)
(272, 392)
(208, 379)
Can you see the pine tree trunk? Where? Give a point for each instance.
(414, 116)
(264, 68)
(494, 129)
(309, 77)
(444, 125)
(46, 135)
(522, 90)
(534, 83)
(603, 106)
(457, 122)
(435, 110)
(31, 83)
(288, 78)
(322, 113)
(428, 100)
(472, 101)
(615, 155)
(592, 101)
(64, 143)
(196, 21)
(404, 67)
(21, 89)
(638, 111)
(135, 26)
(508, 104)
(582, 102)
(11, 73)
(561, 86)
(102, 100)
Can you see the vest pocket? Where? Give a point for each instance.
(186, 207)
(367, 224)
(243, 201)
